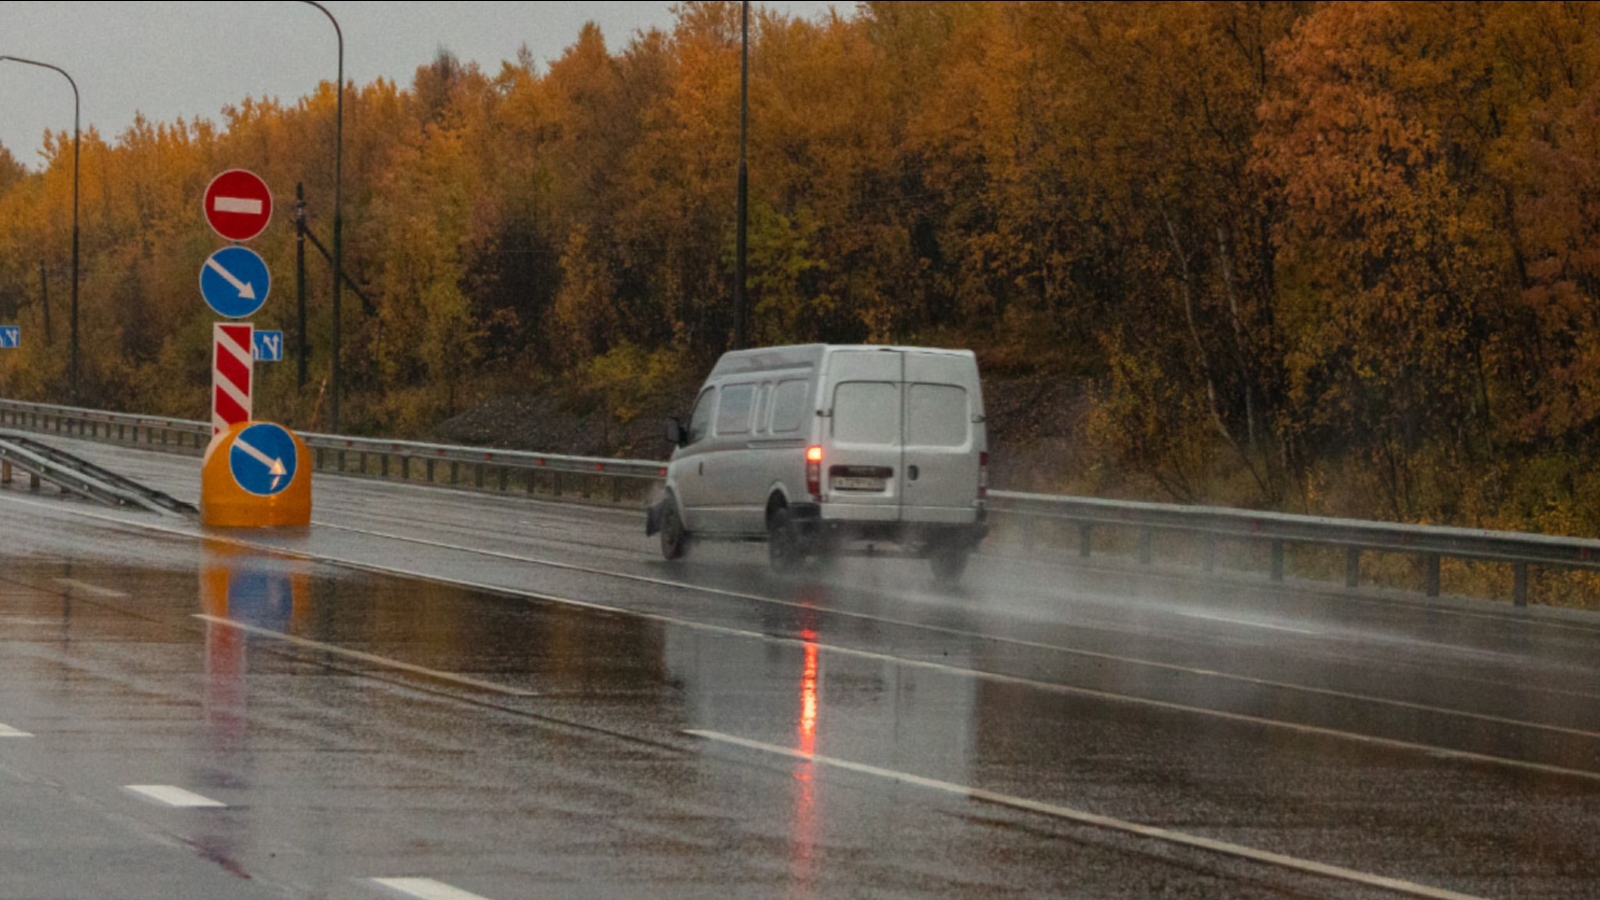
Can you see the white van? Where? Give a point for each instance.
(822, 450)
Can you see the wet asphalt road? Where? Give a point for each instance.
(518, 699)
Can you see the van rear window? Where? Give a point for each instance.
(936, 415)
(867, 412)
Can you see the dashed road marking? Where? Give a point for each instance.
(175, 796)
(426, 889)
(7, 731)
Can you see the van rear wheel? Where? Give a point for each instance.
(784, 550)
(949, 562)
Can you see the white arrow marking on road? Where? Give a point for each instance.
(237, 205)
(274, 466)
(246, 291)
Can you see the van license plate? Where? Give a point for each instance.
(858, 484)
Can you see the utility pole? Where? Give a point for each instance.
(300, 276)
(44, 296)
(744, 178)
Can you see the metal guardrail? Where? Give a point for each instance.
(582, 477)
(81, 477)
(508, 470)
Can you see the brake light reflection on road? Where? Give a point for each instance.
(808, 695)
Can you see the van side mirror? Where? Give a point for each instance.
(676, 435)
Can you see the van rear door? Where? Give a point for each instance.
(861, 459)
(944, 435)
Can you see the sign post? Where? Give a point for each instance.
(255, 474)
(231, 374)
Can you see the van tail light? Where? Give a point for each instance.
(814, 471)
(983, 475)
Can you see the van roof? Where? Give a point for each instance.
(797, 356)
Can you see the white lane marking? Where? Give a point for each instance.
(88, 588)
(7, 731)
(368, 657)
(426, 889)
(936, 629)
(247, 205)
(1245, 622)
(175, 796)
(1088, 818)
(1427, 749)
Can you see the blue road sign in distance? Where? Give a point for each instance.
(267, 346)
(263, 459)
(10, 337)
(235, 282)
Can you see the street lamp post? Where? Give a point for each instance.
(744, 178)
(73, 363)
(338, 214)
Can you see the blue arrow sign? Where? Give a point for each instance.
(267, 346)
(235, 282)
(10, 337)
(263, 459)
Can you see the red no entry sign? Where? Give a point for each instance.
(238, 204)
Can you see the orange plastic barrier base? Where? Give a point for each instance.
(243, 485)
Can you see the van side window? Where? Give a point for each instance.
(867, 412)
(700, 421)
(733, 413)
(763, 407)
(789, 406)
(936, 415)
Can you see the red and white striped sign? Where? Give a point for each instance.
(231, 368)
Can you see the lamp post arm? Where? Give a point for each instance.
(77, 105)
(338, 213)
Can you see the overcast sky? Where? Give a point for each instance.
(171, 60)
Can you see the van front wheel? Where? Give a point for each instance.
(674, 539)
(784, 552)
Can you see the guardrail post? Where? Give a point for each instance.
(5, 471)
(1277, 560)
(616, 490)
(477, 477)
(556, 480)
(505, 478)
(1210, 559)
(1085, 539)
(361, 460)
(405, 468)
(1430, 564)
(1352, 567)
(1146, 542)
(33, 481)
(383, 464)
(533, 476)
(1519, 584)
